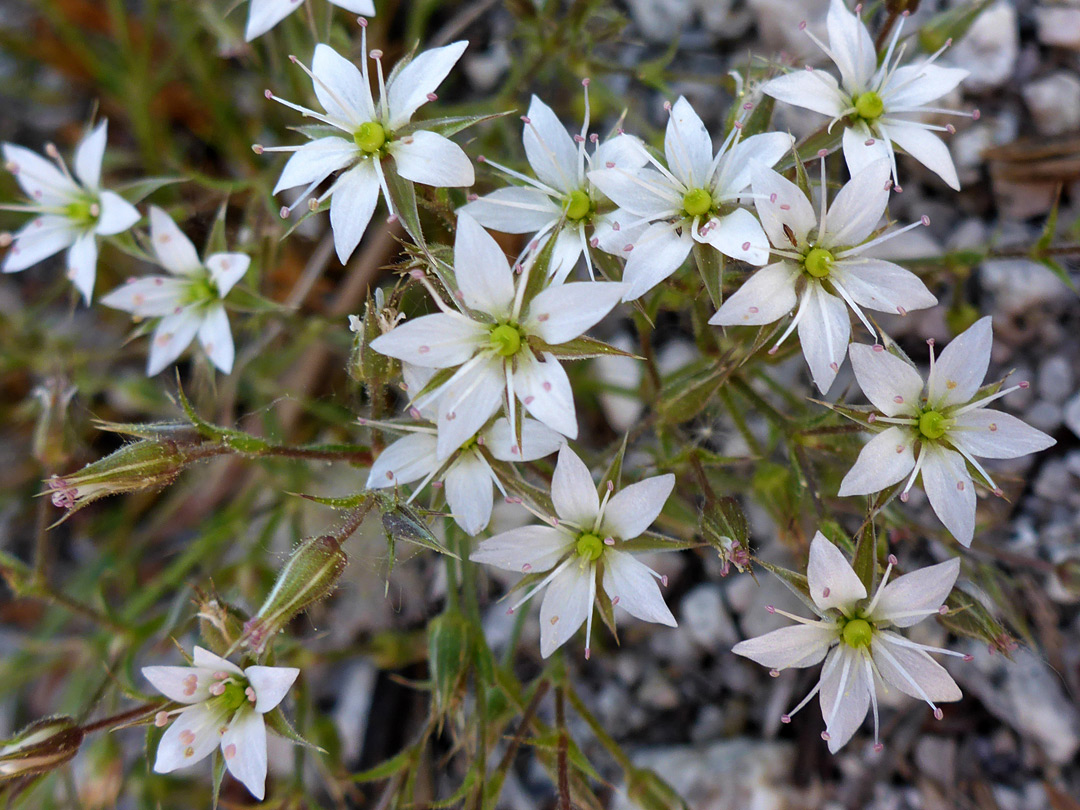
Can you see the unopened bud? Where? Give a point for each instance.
(449, 645)
(220, 624)
(40, 747)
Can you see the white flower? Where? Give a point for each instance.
(937, 432)
(562, 188)
(189, 302)
(881, 105)
(224, 706)
(824, 266)
(580, 548)
(372, 133)
(265, 14)
(856, 640)
(693, 198)
(72, 211)
(467, 476)
(491, 343)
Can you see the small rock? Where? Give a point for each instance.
(1072, 414)
(657, 692)
(1021, 284)
(705, 619)
(660, 20)
(1055, 380)
(1046, 416)
(1054, 482)
(1054, 102)
(936, 758)
(989, 49)
(1059, 26)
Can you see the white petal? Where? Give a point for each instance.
(612, 240)
(739, 235)
(216, 338)
(632, 510)
(987, 433)
(766, 296)
(244, 747)
(862, 148)
(572, 490)
(917, 85)
(932, 679)
(688, 146)
(352, 203)
(812, 90)
(631, 586)
(884, 378)
(174, 682)
(561, 313)
(852, 48)
(174, 250)
(772, 190)
(800, 646)
(200, 721)
(483, 273)
(925, 147)
(859, 205)
(205, 659)
(530, 548)
(409, 89)
(735, 170)
(824, 332)
(845, 687)
(365, 8)
(882, 286)
(149, 297)
(544, 390)
(341, 88)
(883, 461)
(265, 14)
(925, 589)
(82, 264)
(117, 214)
(226, 269)
(641, 192)
(315, 161)
(171, 337)
(270, 684)
(409, 459)
(513, 209)
(416, 379)
(37, 240)
(89, 154)
(468, 403)
(468, 492)
(549, 149)
(537, 440)
(43, 183)
(961, 366)
(625, 151)
(565, 254)
(429, 158)
(440, 340)
(566, 606)
(656, 255)
(950, 491)
(833, 582)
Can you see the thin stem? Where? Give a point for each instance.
(562, 750)
(118, 719)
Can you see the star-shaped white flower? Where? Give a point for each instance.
(693, 198)
(939, 432)
(224, 706)
(857, 640)
(489, 341)
(581, 549)
(72, 210)
(561, 188)
(265, 14)
(824, 267)
(373, 133)
(467, 476)
(881, 106)
(189, 301)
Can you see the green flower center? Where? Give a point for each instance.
(697, 201)
(818, 262)
(201, 290)
(578, 206)
(868, 105)
(932, 424)
(590, 547)
(84, 212)
(233, 697)
(370, 137)
(858, 633)
(505, 339)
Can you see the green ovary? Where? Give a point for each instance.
(233, 697)
(578, 206)
(932, 425)
(858, 633)
(505, 339)
(697, 201)
(590, 547)
(84, 212)
(370, 137)
(819, 262)
(201, 290)
(868, 105)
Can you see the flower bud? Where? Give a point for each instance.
(449, 646)
(220, 624)
(366, 365)
(40, 747)
(310, 574)
(52, 433)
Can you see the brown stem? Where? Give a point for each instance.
(562, 750)
(123, 717)
(886, 29)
